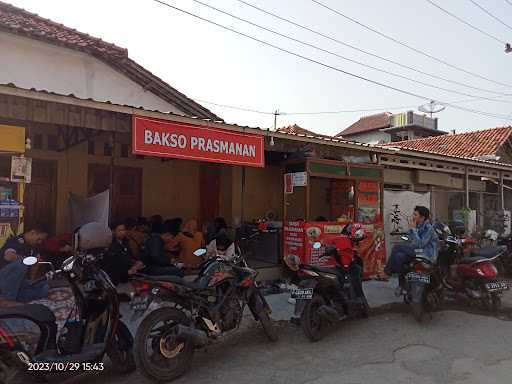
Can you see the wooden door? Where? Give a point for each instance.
(126, 189)
(209, 187)
(40, 196)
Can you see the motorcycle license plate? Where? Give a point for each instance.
(496, 286)
(418, 277)
(302, 294)
(139, 303)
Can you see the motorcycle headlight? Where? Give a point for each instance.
(67, 265)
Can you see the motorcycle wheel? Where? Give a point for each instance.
(121, 351)
(492, 303)
(10, 374)
(166, 358)
(313, 325)
(264, 318)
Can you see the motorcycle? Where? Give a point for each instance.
(420, 285)
(326, 296)
(194, 313)
(472, 275)
(92, 330)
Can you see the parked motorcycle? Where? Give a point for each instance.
(93, 330)
(473, 275)
(195, 313)
(326, 296)
(420, 285)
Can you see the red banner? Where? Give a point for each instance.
(161, 138)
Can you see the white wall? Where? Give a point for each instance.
(370, 137)
(34, 64)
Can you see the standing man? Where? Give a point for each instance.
(14, 285)
(422, 235)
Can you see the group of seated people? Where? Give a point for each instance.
(153, 247)
(157, 247)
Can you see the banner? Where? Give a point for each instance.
(161, 138)
(12, 139)
(87, 210)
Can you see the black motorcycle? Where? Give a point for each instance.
(193, 313)
(326, 296)
(420, 285)
(92, 330)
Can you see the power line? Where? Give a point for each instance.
(467, 23)
(390, 38)
(508, 2)
(234, 107)
(341, 56)
(405, 92)
(316, 32)
(491, 15)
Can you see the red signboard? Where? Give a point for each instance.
(161, 138)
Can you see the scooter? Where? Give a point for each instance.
(326, 296)
(92, 330)
(420, 285)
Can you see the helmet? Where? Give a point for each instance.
(491, 235)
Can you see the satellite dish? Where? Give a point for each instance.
(432, 107)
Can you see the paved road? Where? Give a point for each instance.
(390, 347)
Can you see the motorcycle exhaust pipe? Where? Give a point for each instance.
(197, 337)
(329, 314)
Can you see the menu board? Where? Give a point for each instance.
(368, 202)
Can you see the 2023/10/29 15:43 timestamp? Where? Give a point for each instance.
(65, 367)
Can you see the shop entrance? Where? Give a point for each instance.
(40, 196)
(209, 192)
(126, 188)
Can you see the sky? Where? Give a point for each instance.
(211, 64)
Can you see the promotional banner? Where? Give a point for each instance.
(161, 138)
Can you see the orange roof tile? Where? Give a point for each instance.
(470, 145)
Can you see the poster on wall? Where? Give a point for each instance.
(398, 208)
(21, 169)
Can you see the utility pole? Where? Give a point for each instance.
(276, 113)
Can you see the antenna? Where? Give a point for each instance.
(432, 107)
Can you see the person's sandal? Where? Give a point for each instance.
(381, 277)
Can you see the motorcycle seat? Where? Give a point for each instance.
(487, 252)
(35, 312)
(195, 284)
(332, 271)
(471, 260)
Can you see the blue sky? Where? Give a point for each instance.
(211, 64)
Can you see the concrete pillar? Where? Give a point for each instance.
(236, 197)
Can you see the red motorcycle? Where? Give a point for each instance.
(471, 274)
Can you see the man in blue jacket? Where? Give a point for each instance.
(422, 235)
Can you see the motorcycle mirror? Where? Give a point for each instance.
(317, 245)
(199, 252)
(31, 260)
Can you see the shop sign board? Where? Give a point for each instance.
(21, 169)
(300, 179)
(12, 139)
(161, 138)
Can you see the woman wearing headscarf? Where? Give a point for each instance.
(188, 240)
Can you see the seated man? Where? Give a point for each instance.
(154, 257)
(422, 235)
(14, 285)
(118, 261)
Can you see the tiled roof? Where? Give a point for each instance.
(295, 129)
(368, 123)
(18, 21)
(469, 145)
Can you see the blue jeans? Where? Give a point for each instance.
(400, 255)
(14, 286)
